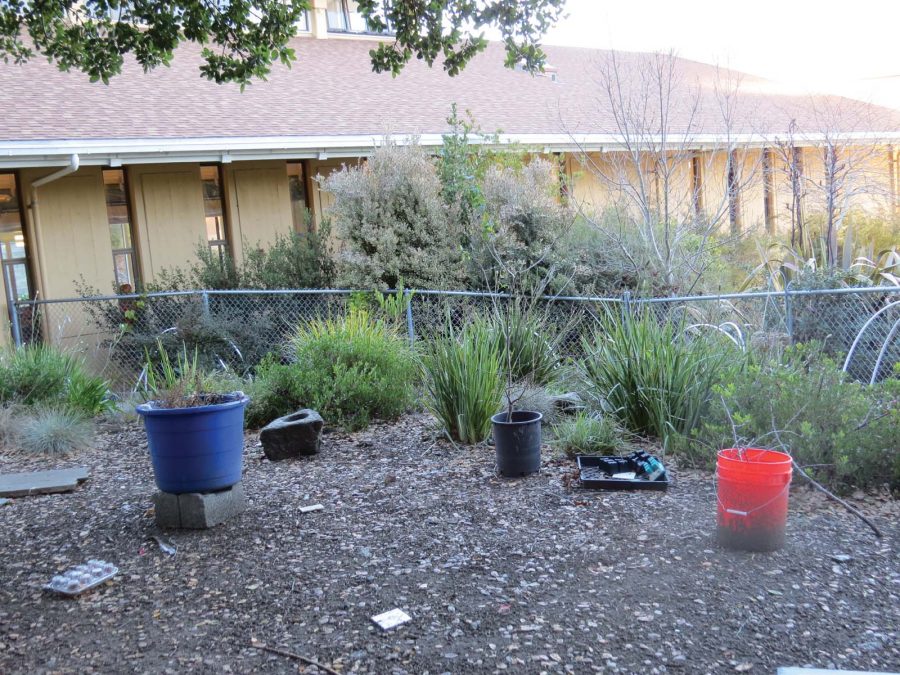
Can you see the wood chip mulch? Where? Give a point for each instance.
(527, 576)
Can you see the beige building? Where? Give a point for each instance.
(107, 185)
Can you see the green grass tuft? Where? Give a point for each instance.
(463, 381)
(589, 434)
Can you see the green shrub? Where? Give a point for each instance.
(39, 374)
(463, 381)
(275, 391)
(33, 374)
(801, 402)
(54, 431)
(351, 370)
(87, 394)
(293, 260)
(656, 380)
(588, 433)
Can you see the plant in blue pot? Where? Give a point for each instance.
(195, 434)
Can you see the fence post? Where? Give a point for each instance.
(14, 319)
(204, 299)
(788, 312)
(407, 296)
(626, 308)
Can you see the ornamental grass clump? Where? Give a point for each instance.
(182, 383)
(464, 383)
(652, 376)
(533, 356)
(587, 434)
(53, 431)
(40, 375)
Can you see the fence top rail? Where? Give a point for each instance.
(627, 297)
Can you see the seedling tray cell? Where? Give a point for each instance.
(596, 474)
(81, 578)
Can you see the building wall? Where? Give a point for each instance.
(69, 235)
(68, 232)
(69, 238)
(259, 203)
(169, 221)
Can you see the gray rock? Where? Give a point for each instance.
(294, 435)
(569, 402)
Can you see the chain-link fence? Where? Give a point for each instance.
(238, 328)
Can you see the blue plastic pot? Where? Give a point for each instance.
(196, 449)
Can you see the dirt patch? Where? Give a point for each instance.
(530, 575)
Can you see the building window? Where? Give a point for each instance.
(118, 214)
(13, 248)
(15, 278)
(299, 202)
(697, 187)
(303, 23)
(344, 17)
(214, 210)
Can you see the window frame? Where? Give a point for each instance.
(345, 20)
(8, 263)
(223, 243)
(305, 26)
(130, 251)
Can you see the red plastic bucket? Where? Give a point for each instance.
(753, 498)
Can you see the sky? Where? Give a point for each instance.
(849, 48)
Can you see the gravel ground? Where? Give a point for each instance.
(527, 576)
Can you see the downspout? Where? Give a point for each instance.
(74, 163)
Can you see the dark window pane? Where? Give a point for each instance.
(214, 209)
(299, 203)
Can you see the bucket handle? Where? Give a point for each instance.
(744, 514)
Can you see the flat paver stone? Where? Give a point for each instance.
(41, 482)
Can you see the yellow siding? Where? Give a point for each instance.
(72, 233)
(68, 235)
(260, 203)
(752, 194)
(319, 170)
(167, 202)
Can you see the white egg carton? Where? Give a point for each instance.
(81, 578)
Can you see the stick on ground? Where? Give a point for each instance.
(840, 501)
(298, 657)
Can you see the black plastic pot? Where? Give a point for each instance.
(517, 442)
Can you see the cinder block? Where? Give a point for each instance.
(199, 510)
(165, 506)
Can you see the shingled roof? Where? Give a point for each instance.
(332, 91)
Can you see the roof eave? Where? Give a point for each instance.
(118, 152)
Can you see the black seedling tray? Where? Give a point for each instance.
(596, 472)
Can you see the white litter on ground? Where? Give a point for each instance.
(391, 619)
(311, 508)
